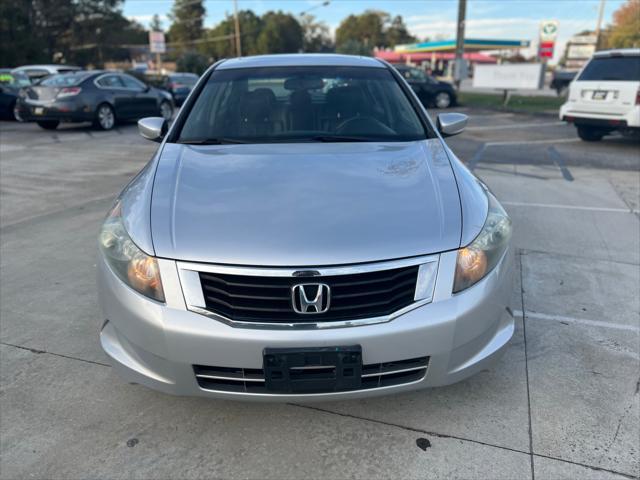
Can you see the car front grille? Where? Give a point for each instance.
(251, 380)
(269, 300)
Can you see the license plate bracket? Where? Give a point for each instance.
(314, 369)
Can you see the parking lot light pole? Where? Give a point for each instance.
(599, 23)
(237, 28)
(459, 58)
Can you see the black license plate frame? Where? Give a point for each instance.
(313, 369)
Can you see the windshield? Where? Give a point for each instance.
(15, 79)
(612, 68)
(184, 79)
(301, 104)
(64, 80)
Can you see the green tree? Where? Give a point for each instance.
(397, 33)
(353, 47)
(316, 35)
(371, 29)
(366, 29)
(17, 28)
(281, 33)
(65, 31)
(192, 62)
(156, 24)
(187, 17)
(101, 33)
(220, 42)
(625, 31)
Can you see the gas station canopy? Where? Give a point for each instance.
(470, 45)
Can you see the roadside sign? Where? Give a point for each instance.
(512, 76)
(156, 42)
(548, 31)
(584, 39)
(580, 51)
(546, 49)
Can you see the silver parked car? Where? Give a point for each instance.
(304, 232)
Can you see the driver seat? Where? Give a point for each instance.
(343, 103)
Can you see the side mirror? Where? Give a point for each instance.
(152, 128)
(451, 123)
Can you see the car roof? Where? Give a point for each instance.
(50, 67)
(301, 60)
(621, 51)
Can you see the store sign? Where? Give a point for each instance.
(156, 42)
(546, 49)
(512, 76)
(587, 39)
(580, 51)
(548, 31)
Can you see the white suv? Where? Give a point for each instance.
(605, 96)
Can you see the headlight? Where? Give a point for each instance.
(482, 255)
(132, 265)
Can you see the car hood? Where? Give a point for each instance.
(303, 204)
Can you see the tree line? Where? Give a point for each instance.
(91, 32)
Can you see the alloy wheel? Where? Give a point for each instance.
(443, 100)
(106, 117)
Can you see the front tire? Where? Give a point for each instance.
(442, 100)
(589, 134)
(48, 124)
(166, 110)
(14, 112)
(105, 117)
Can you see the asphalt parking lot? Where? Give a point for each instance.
(562, 403)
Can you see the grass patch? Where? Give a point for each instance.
(516, 102)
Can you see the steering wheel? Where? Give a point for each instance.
(365, 124)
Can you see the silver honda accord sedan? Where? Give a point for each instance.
(303, 232)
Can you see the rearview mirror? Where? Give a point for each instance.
(451, 123)
(152, 128)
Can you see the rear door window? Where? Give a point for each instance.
(110, 81)
(625, 69)
(64, 80)
(131, 83)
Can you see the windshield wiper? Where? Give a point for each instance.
(211, 141)
(340, 138)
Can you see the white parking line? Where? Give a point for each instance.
(579, 321)
(533, 142)
(568, 207)
(514, 125)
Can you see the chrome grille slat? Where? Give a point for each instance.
(268, 299)
(379, 375)
(367, 375)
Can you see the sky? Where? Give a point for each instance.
(495, 19)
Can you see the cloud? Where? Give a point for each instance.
(146, 19)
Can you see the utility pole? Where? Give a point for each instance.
(459, 59)
(237, 24)
(599, 24)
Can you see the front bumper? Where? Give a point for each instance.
(157, 345)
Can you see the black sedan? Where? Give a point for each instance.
(10, 85)
(431, 92)
(179, 85)
(101, 97)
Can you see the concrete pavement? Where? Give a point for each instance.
(562, 403)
